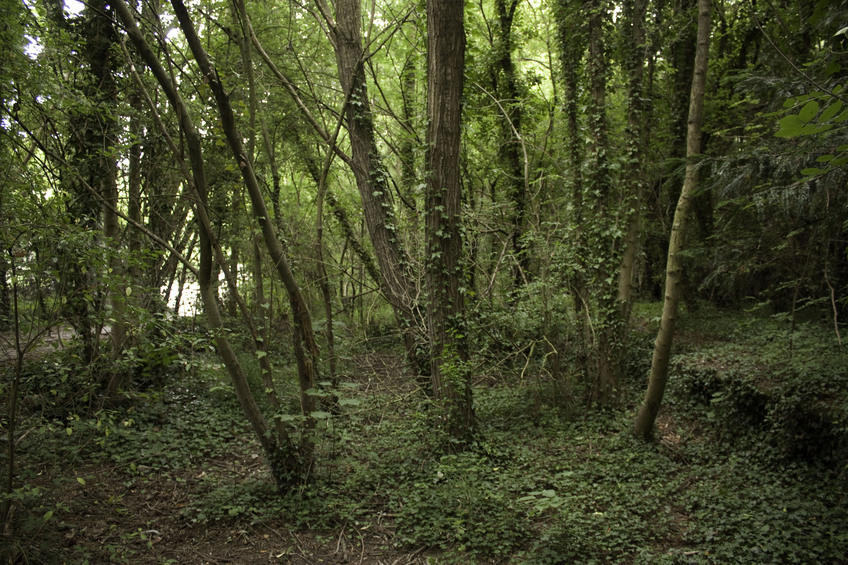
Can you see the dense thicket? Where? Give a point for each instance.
(491, 190)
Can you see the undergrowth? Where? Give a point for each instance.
(740, 471)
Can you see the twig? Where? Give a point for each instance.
(833, 304)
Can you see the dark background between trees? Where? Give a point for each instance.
(237, 209)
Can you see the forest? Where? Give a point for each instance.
(406, 282)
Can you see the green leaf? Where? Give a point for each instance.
(320, 415)
(811, 172)
(80, 480)
(831, 111)
(841, 117)
(809, 111)
(260, 354)
(349, 402)
(790, 126)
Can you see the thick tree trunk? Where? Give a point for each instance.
(600, 243)
(443, 217)
(644, 424)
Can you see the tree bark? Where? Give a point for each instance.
(644, 424)
(505, 86)
(443, 217)
(635, 143)
(372, 179)
(286, 464)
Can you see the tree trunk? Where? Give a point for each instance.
(305, 347)
(635, 144)
(287, 464)
(372, 180)
(572, 35)
(443, 217)
(505, 86)
(644, 424)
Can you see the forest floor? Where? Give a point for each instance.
(734, 476)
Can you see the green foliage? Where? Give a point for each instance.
(160, 348)
(777, 390)
(537, 486)
(188, 424)
(767, 516)
(32, 524)
(819, 112)
(459, 503)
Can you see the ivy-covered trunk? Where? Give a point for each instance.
(444, 268)
(633, 55)
(398, 284)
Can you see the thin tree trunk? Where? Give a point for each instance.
(286, 464)
(305, 347)
(644, 423)
(372, 179)
(505, 86)
(572, 35)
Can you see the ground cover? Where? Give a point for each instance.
(175, 477)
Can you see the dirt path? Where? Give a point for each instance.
(38, 345)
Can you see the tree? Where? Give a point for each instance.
(644, 424)
(372, 178)
(287, 464)
(633, 62)
(443, 217)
